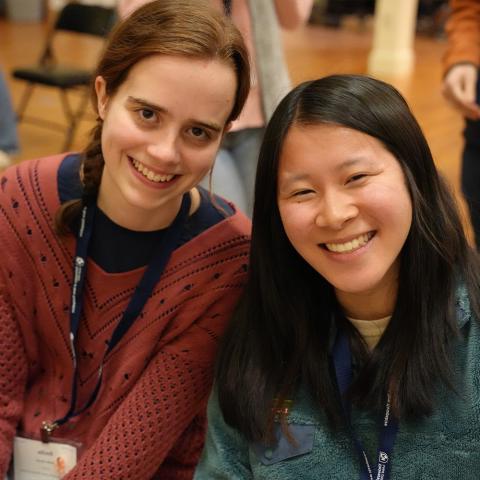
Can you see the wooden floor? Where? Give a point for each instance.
(311, 52)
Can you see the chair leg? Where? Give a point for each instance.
(73, 116)
(24, 101)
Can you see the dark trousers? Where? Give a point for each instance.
(471, 171)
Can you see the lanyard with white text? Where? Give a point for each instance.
(342, 360)
(140, 296)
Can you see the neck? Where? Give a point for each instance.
(369, 305)
(140, 219)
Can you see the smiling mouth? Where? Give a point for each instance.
(150, 174)
(350, 246)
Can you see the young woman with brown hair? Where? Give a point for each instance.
(120, 273)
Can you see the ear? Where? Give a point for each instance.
(102, 97)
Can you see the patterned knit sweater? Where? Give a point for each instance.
(148, 419)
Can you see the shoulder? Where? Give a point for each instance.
(220, 251)
(31, 178)
(230, 236)
(218, 223)
(28, 201)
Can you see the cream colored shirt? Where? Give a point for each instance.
(371, 330)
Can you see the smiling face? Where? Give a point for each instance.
(346, 209)
(161, 132)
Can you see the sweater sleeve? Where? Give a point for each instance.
(183, 457)
(226, 453)
(463, 32)
(13, 374)
(294, 13)
(159, 414)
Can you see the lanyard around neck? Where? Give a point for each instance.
(342, 360)
(139, 298)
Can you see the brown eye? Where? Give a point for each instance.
(146, 114)
(198, 132)
(356, 178)
(302, 192)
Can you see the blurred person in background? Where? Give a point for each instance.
(8, 125)
(234, 174)
(461, 87)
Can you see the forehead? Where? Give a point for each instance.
(196, 86)
(322, 148)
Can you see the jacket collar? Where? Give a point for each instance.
(464, 313)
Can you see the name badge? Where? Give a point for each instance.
(35, 460)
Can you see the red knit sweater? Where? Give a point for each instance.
(148, 419)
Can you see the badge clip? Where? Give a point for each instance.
(46, 430)
(281, 408)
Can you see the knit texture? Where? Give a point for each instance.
(148, 420)
(445, 446)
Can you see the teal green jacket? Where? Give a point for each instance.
(445, 446)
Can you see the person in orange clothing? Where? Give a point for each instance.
(119, 273)
(461, 87)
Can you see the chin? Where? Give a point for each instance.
(359, 287)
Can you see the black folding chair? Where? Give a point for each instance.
(78, 18)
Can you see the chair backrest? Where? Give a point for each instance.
(87, 19)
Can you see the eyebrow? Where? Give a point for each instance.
(352, 162)
(145, 103)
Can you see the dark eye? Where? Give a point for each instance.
(199, 133)
(147, 114)
(355, 178)
(301, 193)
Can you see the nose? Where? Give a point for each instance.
(335, 210)
(163, 148)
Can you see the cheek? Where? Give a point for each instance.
(120, 135)
(389, 205)
(296, 223)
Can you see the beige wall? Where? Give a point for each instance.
(56, 4)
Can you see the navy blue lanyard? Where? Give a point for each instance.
(140, 296)
(342, 360)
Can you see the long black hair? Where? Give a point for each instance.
(281, 332)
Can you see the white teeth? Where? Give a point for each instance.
(154, 177)
(351, 245)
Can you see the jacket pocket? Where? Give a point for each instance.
(282, 449)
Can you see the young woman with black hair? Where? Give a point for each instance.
(355, 349)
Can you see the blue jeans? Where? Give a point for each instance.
(8, 120)
(233, 175)
(471, 171)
